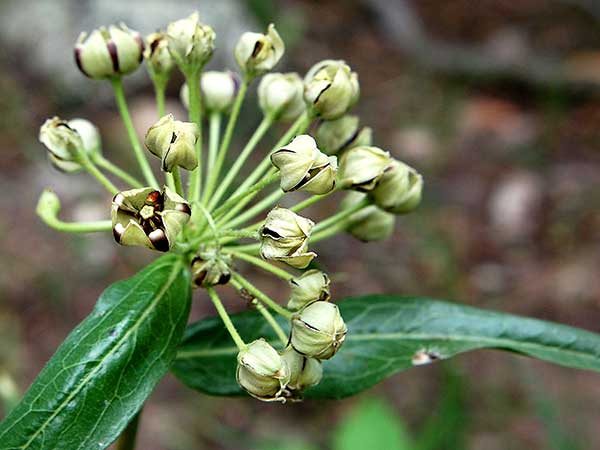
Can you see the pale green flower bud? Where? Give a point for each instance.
(311, 286)
(331, 89)
(210, 268)
(257, 53)
(48, 205)
(148, 218)
(370, 223)
(262, 372)
(106, 53)
(399, 189)
(159, 61)
(174, 142)
(303, 167)
(362, 167)
(284, 237)
(67, 140)
(219, 90)
(190, 43)
(304, 372)
(281, 95)
(318, 331)
(334, 136)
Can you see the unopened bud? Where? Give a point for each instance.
(218, 91)
(281, 95)
(149, 218)
(159, 61)
(370, 223)
(174, 142)
(331, 89)
(311, 286)
(63, 143)
(257, 53)
(262, 372)
(190, 42)
(362, 167)
(48, 205)
(334, 136)
(210, 268)
(318, 331)
(304, 167)
(106, 53)
(284, 237)
(304, 372)
(399, 189)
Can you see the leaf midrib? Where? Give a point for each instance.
(136, 325)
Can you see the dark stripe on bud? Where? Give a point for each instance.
(159, 240)
(77, 54)
(112, 50)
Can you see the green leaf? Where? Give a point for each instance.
(385, 334)
(372, 424)
(106, 368)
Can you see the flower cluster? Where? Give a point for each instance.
(205, 221)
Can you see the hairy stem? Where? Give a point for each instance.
(133, 139)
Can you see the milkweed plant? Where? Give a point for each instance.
(213, 215)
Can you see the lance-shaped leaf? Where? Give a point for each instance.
(106, 368)
(387, 334)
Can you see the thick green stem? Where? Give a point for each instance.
(177, 181)
(266, 202)
(192, 79)
(258, 134)
(133, 138)
(128, 437)
(77, 227)
(261, 296)
(235, 112)
(105, 164)
(299, 126)
(260, 263)
(160, 87)
(239, 342)
(213, 142)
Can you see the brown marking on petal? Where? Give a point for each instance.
(321, 93)
(159, 240)
(224, 278)
(257, 48)
(304, 361)
(77, 54)
(154, 45)
(270, 233)
(118, 231)
(112, 51)
(349, 141)
(153, 197)
(184, 208)
(140, 43)
(309, 326)
(199, 279)
(118, 199)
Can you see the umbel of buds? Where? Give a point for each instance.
(304, 372)
(280, 95)
(335, 136)
(67, 140)
(149, 218)
(159, 62)
(218, 91)
(284, 237)
(370, 223)
(211, 267)
(107, 53)
(311, 286)
(173, 142)
(303, 167)
(262, 372)
(190, 42)
(362, 167)
(318, 331)
(331, 89)
(399, 189)
(257, 53)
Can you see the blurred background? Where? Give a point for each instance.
(495, 102)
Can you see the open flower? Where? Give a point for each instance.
(174, 142)
(280, 95)
(262, 372)
(284, 237)
(190, 42)
(257, 53)
(303, 167)
(149, 218)
(362, 167)
(109, 52)
(318, 331)
(331, 89)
